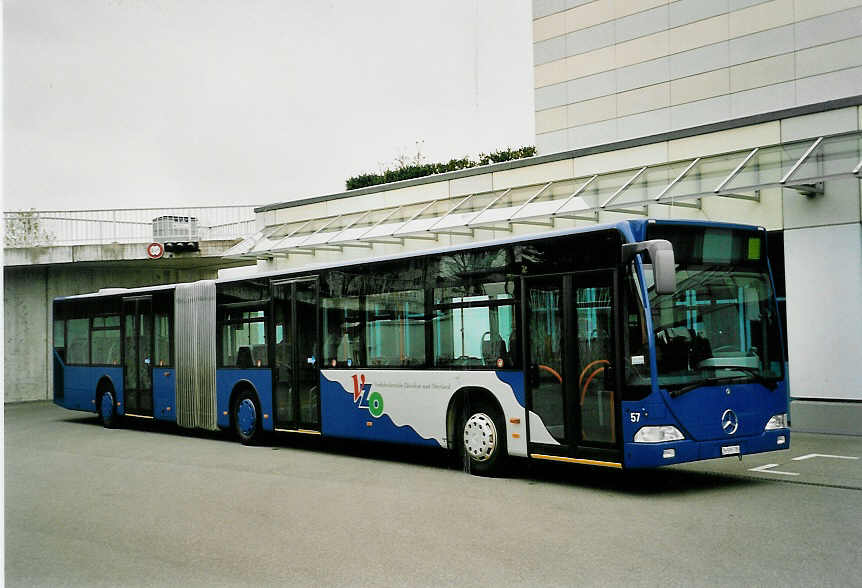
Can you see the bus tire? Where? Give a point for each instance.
(483, 440)
(108, 410)
(246, 417)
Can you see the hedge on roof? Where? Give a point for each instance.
(408, 172)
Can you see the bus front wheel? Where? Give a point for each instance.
(483, 441)
(246, 418)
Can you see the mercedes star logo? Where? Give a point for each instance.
(729, 422)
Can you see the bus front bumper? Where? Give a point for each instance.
(650, 455)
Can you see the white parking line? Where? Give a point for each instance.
(810, 455)
(767, 469)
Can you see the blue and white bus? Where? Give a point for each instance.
(628, 345)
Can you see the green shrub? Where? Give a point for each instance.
(419, 170)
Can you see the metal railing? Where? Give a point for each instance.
(41, 228)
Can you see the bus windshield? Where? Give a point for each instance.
(721, 324)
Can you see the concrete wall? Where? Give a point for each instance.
(27, 295)
(114, 252)
(608, 70)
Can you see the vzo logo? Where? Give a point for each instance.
(363, 397)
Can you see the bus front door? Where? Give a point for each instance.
(138, 355)
(570, 355)
(296, 373)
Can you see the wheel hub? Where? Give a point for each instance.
(246, 417)
(480, 437)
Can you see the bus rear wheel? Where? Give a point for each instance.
(108, 410)
(483, 441)
(246, 418)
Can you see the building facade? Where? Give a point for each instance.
(608, 70)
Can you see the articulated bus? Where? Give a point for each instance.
(629, 345)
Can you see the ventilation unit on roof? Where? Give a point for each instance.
(178, 233)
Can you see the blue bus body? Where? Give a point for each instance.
(718, 417)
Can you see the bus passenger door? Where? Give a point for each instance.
(138, 355)
(296, 367)
(570, 353)
(597, 397)
(547, 365)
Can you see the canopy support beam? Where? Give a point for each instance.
(318, 231)
(380, 222)
(575, 216)
(492, 203)
(419, 237)
(398, 241)
(624, 187)
(415, 216)
(358, 219)
(493, 227)
(529, 200)
(736, 170)
(454, 233)
(574, 195)
(448, 213)
(754, 198)
(292, 233)
(532, 223)
(801, 160)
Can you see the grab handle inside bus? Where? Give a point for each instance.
(660, 252)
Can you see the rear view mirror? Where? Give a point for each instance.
(660, 252)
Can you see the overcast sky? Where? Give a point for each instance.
(132, 103)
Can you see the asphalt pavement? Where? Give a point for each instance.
(149, 505)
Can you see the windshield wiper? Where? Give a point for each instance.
(704, 382)
(768, 382)
(749, 373)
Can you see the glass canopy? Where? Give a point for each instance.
(801, 165)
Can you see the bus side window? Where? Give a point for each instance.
(162, 355)
(105, 335)
(636, 352)
(474, 327)
(342, 331)
(243, 340)
(79, 341)
(60, 338)
(395, 329)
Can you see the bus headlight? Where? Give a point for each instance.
(779, 421)
(658, 434)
